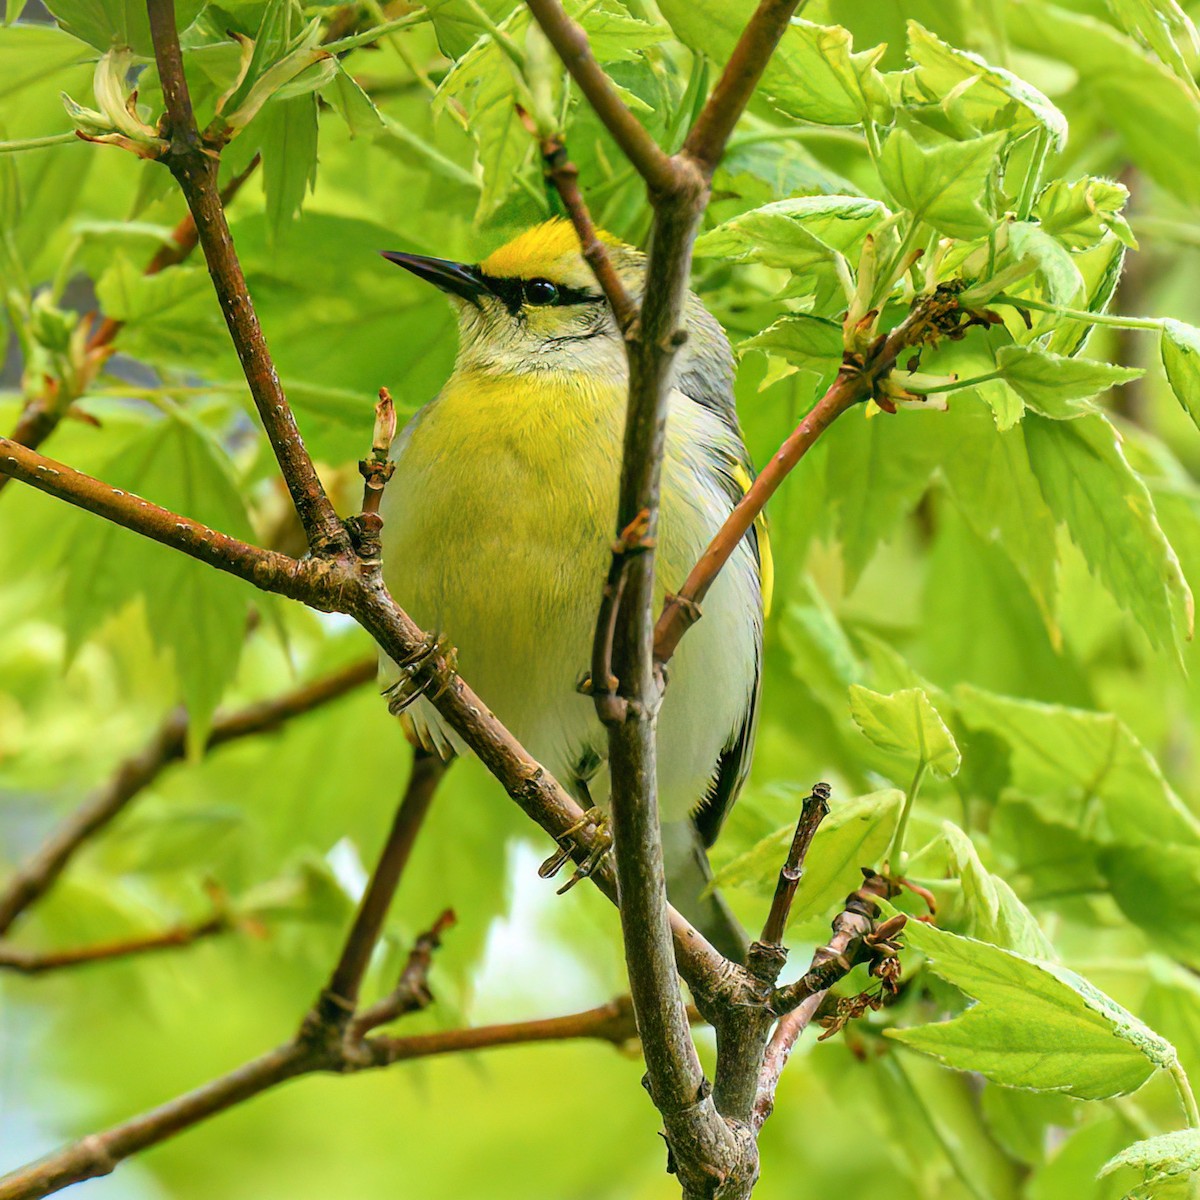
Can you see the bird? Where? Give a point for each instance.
(499, 523)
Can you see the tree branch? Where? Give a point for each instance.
(194, 166)
(35, 876)
(34, 962)
(814, 810)
(571, 44)
(342, 990)
(706, 141)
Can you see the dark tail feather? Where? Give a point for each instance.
(688, 878)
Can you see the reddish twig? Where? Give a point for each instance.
(34, 877)
(38, 962)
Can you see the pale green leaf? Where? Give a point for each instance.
(1157, 886)
(906, 724)
(1079, 213)
(946, 184)
(1110, 516)
(1181, 361)
(1090, 757)
(289, 157)
(106, 24)
(1031, 243)
(1054, 385)
(1034, 1025)
(989, 98)
(807, 343)
(996, 914)
(1158, 1158)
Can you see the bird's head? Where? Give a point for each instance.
(534, 305)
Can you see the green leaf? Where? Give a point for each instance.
(1181, 361)
(1158, 888)
(989, 98)
(997, 916)
(353, 105)
(1079, 213)
(906, 724)
(807, 343)
(1031, 243)
(946, 184)
(196, 613)
(1052, 384)
(814, 75)
(994, 487)
(798, 233)
(1160, 1158)
(1110, 516)
(1155, 113)
(127, 293)
(288, 129)
(854, 835)
(1089, 758)
(108, 23)
(1035, 1025)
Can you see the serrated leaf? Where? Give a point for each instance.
(288, 131)
(854, 835)
(196, 613)
(814, 74)
(1079, 213)
(1034, 1025)
(1181, 361)
(1053, 385)
(1093, 758)
(806, 342)
(353, 105)
(127, 293)
(989, 98)
(1159, 1158)
(1031, 243)
(1110, 516)
(944, 183)
(997, 916)
(906, 724)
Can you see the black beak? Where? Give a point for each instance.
(456, 278)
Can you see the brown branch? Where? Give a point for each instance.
(706, 141)
(564, 175)
(571, 44)
(342, 990)
(194, 166)
(856, 382)
(814, 810)
(34, 877)
(100, 1153)
(41, 416)
(35, 962)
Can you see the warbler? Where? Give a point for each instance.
(500, 517)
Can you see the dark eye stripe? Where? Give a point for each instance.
(512, 293)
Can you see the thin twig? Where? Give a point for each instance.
(34, 877)
(194, 166)
(38, 962)
(571, 44)
(564, 175)
(814, 810)
(342, 990)
(41, 416)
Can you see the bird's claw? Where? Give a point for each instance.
(416, 676)
(566, 847)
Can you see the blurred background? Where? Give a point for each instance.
(102, 636)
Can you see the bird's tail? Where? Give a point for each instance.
(688, 880)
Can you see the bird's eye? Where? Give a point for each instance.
(540, 291)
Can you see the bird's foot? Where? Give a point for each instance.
(566, 847)
(417, 678)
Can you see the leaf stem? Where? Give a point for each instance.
(39, 143)
(1033, 174)
(895, 855)
(1079, 314)
(1187, 1097)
